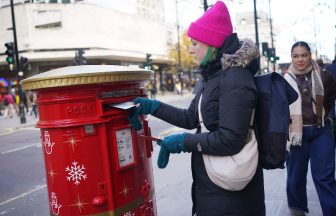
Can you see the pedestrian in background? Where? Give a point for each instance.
(310, 137)
(25, 100)
(151, 88)
(331, 68)
(32, 99)
(320, 62)
(16, 99)
(228, 96)
(8, 102)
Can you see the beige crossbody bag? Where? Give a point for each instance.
(232, 172)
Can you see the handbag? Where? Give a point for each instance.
(236, 171)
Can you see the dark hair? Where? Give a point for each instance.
(301, 43)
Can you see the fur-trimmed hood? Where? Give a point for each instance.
(233, 53)
(243, 57)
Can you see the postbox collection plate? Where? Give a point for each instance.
(125, 148)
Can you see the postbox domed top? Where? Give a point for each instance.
(85, 74)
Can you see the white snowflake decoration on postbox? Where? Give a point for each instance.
(76, 173)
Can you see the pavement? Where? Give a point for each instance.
(172, 184)
(8, 125)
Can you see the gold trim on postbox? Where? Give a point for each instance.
(119, 211)
(85, 74)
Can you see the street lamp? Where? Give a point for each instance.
(178, 35)
(205, 5)
(256, 26)
(271, 28)
(178, 65)
(317, 42)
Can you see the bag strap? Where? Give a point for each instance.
(301, 90)
(201, 123)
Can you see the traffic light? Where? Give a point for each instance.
(79, 58)
(24, 63)
(10, 52)
(264, 46)
(149, 61)
(272, 55)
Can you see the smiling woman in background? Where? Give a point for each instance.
(310, 136)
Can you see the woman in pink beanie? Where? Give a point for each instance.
(224, 104)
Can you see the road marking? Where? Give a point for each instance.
(21, 148)
(39, 187)
(9, 131)
(13, 130)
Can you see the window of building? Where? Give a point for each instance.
(243, 21)
(48, 26)
(46, 19)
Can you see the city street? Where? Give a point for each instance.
(81, 61)
(23, 188)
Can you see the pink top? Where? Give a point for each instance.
(9, 98)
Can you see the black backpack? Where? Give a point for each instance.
(272, 118)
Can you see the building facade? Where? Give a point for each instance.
(245, 27)
(50, 32)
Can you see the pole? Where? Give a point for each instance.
(315, 32)
(256, 26)
(16, 64)
(271, 26)
(178, 35)
(17, 67)
(205, 3)
(178, 66)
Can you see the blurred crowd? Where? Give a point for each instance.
(11, 103)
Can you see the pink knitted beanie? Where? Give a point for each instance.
(213, 27)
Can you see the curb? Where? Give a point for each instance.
(9, 130)
(24, 126)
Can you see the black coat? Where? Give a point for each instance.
(332, 69)
(228, 98)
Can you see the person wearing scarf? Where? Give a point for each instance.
(310, 135)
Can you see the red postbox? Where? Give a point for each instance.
(95, 163)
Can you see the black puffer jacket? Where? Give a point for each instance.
(228, 98)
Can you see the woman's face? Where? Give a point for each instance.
(199, 50)
(301, 58)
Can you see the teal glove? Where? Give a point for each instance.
(163, 157)
(133, 118)
(173, 143)
(147, 106)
